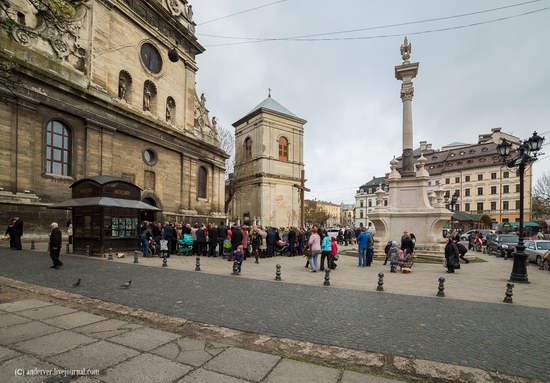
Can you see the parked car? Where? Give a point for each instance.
(536, 250)
(485, 232)
(502, 245)
(333, 232)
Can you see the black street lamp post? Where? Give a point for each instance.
(526, 154)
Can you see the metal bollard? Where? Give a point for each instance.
(68, 248)
(441, 287)
(110, 254)
(509, 293)
(87, 251)
(136, 256)
(380, 286)
(164, 259)
(198, 264)
(278, 272)
(32, 245)
(327, 277)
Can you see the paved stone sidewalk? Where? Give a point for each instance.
(496, 337)
(39, 338)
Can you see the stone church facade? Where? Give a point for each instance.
(111, 92)
(268, 166)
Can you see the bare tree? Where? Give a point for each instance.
(239, 173)
(542, 187)
(227, 143)
(541, 197)
(315, 214)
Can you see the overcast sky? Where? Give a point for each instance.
(471, 79)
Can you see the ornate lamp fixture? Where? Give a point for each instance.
(526, 153)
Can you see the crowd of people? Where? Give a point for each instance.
(238, 242)
(212, 240)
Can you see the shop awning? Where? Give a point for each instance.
(462, 216)
(103, 201)
(515, 225)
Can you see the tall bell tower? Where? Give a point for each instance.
(269, 162)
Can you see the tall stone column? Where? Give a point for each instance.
(406, 72)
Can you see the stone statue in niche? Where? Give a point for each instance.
(146, 99)
(170, 105)
(122, 89)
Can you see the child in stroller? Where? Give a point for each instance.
(406, 261)
(227, 247)
(154, 246)
(281, 248)
(185, 245)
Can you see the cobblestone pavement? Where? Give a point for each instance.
(510, 339)
(38, 338)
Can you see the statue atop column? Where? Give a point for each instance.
(405, 73)
(406, 49)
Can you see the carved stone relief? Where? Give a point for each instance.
(62, 34)
(203, 126)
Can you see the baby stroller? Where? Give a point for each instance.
(281, 248)
(154, 246)
(185, 245)
(227, 248)
(406, 261)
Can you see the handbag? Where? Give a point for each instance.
(307, 252)
(5, 237)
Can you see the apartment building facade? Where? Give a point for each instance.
(474, 173)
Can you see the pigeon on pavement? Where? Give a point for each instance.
(77, 283)
(126, 285)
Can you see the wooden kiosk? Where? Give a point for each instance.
(105, 213)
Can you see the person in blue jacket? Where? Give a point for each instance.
(363, 242)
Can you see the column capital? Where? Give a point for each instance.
(406, 72)
(407, 93)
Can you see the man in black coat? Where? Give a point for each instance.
(169, 234)
(213, 239)
(236, 237)
(271, 240)
(201, 240)
(291, 242)
(222, 234)
(17, 233)
(55, 246)
(462, 250)
(407, 245)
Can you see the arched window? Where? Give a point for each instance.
(283, 149)
(202, 184)
(58, 148)
(248, 149)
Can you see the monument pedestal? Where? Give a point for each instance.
(410, 210)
